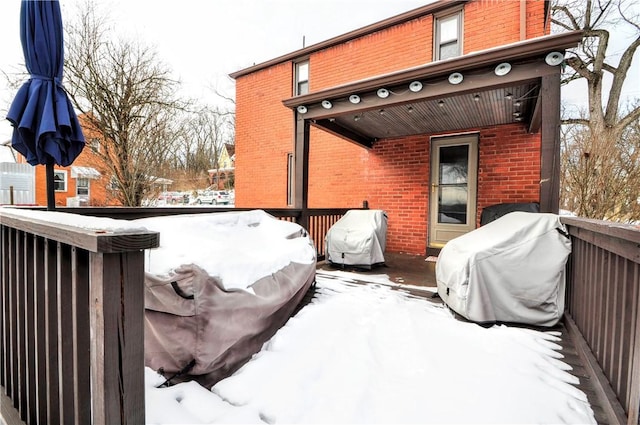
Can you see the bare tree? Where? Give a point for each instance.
(127, 96)
(208, 131)
(600, 135)
(601, 179)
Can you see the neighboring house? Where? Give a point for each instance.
(84, 183)
(222, 177)
(431, 115)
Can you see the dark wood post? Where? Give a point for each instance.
(301, 200)
(550, 150)
(117, 345)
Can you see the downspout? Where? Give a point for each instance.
(523, 20)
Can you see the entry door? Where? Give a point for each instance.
(454, 180)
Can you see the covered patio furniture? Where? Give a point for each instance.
(511, 270)
(358, 239)
(219, 286)
(493, 212)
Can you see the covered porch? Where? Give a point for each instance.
(465, 114)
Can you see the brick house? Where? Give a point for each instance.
(431, 115)
(84, 183)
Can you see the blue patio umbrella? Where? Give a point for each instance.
(45, 126)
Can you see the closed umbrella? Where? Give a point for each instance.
(45, 126)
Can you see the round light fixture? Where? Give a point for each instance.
(554, 58)
(502, 69)
(302, 109)
(354, 98)
(383, 93)
(415, 86)
(326, 104)
(455, 78)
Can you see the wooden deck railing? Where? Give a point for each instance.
(71, 322)
(72, 310)
(603, 309)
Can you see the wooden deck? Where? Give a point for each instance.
(418, 277)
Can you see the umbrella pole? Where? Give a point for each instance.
(51, 192)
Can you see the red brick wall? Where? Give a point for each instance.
(379, 53)
(264, 136)
(394, 176)
(509, 166)
(490, 23)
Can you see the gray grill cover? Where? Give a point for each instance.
(510, 270)
(359, 238)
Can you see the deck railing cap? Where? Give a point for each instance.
(95, 234)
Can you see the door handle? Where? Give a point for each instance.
(434, 186)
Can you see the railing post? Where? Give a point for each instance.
(117, 348)
(72, 320)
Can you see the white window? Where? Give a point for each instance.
(448, 36)
(82, 186)
(60, 180)
(290, 174)
(301, 78)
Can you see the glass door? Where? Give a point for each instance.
(453, 192)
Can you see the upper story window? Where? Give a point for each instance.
(448, 35)
(60, 180)
(301, 78)
(82, 186)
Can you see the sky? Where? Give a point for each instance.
(204, 40)
(358, 353)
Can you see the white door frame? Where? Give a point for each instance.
(442, 227)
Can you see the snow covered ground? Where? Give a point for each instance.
(374, 354)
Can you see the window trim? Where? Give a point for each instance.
(296, 77)
(64, 179)
(290, 177)
(88, 186)
(457, 12)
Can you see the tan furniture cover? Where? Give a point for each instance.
(190, 315)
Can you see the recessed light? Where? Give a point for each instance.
(502, 69)
(415, 86)
(455, 78)
(554, 58)
(383, 93)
